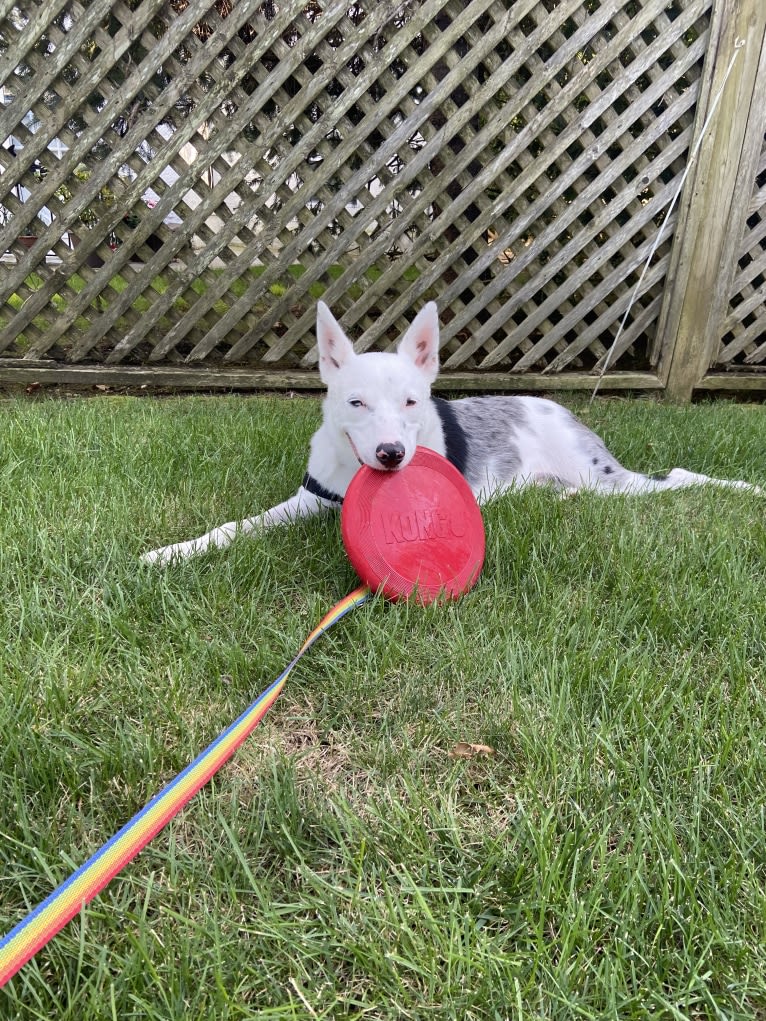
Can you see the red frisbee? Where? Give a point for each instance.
(415, 530)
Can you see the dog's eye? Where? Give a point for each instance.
(410, 402)
(356, 403)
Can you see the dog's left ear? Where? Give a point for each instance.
(421, 342)
(335, 349)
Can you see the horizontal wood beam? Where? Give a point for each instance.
(19, 371)
(733, 381)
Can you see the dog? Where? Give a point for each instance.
(379, 408)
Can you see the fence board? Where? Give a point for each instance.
(713, 224)
(192, 175)
(591, 195)
(259, 248)
(215, 200)
(416, 165)
(743, 338)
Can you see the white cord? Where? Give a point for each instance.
(739, 43)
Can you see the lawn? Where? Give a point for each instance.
(608, 861)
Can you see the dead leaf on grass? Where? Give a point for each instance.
(465, 750)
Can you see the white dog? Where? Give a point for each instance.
(379, 408)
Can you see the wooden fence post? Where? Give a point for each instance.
(714, 206)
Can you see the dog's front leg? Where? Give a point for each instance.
(302, 505)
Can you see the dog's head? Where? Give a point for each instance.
(379, 400)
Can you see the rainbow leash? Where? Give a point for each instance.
(49, 917)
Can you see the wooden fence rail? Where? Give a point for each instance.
(180, 181)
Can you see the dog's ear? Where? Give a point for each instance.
(335, 349)
(421, 341)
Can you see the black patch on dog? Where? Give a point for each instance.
(456, 446)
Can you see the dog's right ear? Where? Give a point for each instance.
(335, 349)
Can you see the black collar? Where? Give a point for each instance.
(317, 489)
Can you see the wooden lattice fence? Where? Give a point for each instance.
(743, 336)
(182, 180)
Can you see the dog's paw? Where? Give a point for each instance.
(170, 554)
(218, 538)
(160, 557)
(751, 488)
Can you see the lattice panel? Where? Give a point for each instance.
(217, 168)
(743, 339)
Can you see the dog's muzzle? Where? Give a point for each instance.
(390, 455)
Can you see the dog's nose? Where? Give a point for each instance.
(390, 454)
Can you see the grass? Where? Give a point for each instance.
(606, 863)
